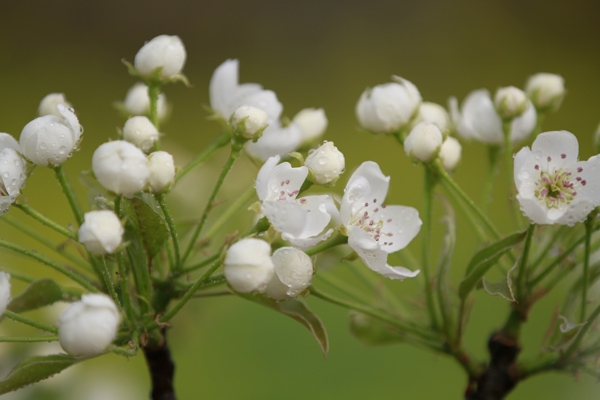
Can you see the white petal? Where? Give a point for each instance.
(400, 225)
(525, 173)
(263, 178)
(286, 179)
(534, 210)
(316, 213)
(266, 100)
(307, 243)
(275, 140)
(555, 149)
(589, 174)
(285, 216)
(523, 126)
(480, 118)
(398, 273)
(577, 211)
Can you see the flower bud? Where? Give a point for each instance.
(140, 131)
(88, 326)
(423, 142)
(7, 141)
(249, 122)
(137, 101)
(248, 265)
(12, 177)
(101, 232)
(162, 171)
(450, 153)
(293, 273)
(325, 164)
(162, 51)
(388, 107)
(50, 140)
(4, 291)
(49, 104)
(434, 113)
(120, 167)
(312, 123)
(546, 91)
(510, 102)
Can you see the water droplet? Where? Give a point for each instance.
(537, 154)
(323, 160)
(524, 175)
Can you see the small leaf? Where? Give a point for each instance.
(371, 331)
(149, 224)
(444, 264)
(503, 288)
(40, 293)
(568, 332)
(297, 310)
(35, 369)
(485, 259)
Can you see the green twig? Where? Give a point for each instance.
(589, 226)
(46, 221)
(64, 183)
(160, 198)
(35, 339)
(220, 141)
(108, 282)
(426, 246)
(226, 216)
(28, 321)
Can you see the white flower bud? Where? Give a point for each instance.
(101, 232)
(88, 326)
(312, 123)
(137, 101)
(120, 167)
(546, 91)
(7, 141)
(163, 51)
(423, 142)
(325, 163)
(12, 177)
(162, 171)
(49, 104)
(450, 153)
(293, 273)
(248, 265)
(434, 113)
(4, 291)
(140, 131)
(50, 140)
(249, 122)
(386, 108)
(510, 102)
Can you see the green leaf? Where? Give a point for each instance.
(40, 293)
(35, 369)
(444, 264)
(485, 259)
(371, 331)
(149, 224)
(297, 310)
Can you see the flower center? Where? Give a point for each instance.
(557, 188)
(369, 218)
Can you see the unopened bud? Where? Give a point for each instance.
(101, 232)
(293, 273)
(49, 104)
(312, 123)
(510, 102)
(162, 171)
(546, 91)
(249, 122)
(434, 113)
(248, 265)
(164, 51)
(325, 164)
(141, 132)
(120, 167)
(450, 153)
(137, 101)
(423, 142)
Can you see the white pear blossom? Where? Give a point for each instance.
(162, 171)
(4, 291)
(137, 101)
(312, 123)
(300, 221)
(50, 140)
(88, 326)
(12, 176)
(450, 153)
(326, 163)
(388, 107)
(249, 121)
(434, 113)
(478, 120)
(120, 167)
(248, 265)
(101, 232)
(293, 273)
(49, 104)
(554, 187)
(545, 90)
(423, 142)
(141, 132)
(164, 51)
(276, 140)
(510, 102)
(375, 229)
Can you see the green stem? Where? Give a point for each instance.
(589, 226)
(201, 264)
(160, 198)
(508, 154)
(521, 284)
(341, 286)
(73, 275)
(28, 321)
(153, 92)
(125, 295)
(235, 206)
(426, 246)
(223, 139)
(336, 241)
(41, 239)
(235, 152)
(487, 198)
(109, 282)
(557, 235)
(46, 221)
(64, 183)
(36, 339)
(125, 352)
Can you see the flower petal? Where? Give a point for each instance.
(285, 216)
(398, 273)
(275, 140)
(479, 118)
(366, 186)
(263, 178)
(400, 225)
(317, 215)
(305, 243)
(554, 150)
(577, 211)
(522, 126)
(223, 86)
(533, 209)
(525, 173)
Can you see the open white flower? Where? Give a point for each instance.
(300, 221)
(478, 119)
(555, 188)
(374, 229)
(293, 273)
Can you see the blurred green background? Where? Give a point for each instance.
(312, 54)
